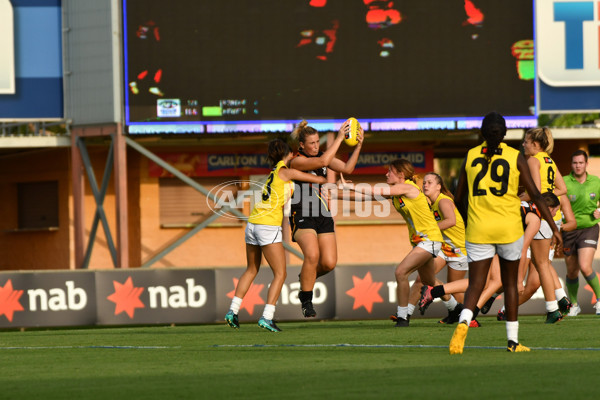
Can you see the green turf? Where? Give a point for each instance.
(302, 362)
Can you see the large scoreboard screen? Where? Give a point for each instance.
(213, 66)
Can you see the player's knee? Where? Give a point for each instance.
(327, 265)
(279, 275)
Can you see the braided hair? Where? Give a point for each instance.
(493, 130)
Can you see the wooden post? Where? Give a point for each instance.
(120, 169)
(78, 189)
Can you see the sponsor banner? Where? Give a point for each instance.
(196, 164)
(288, 305)
(40, 299)
(198, 296)
(377, 163)
(157, 296)
(370, 293)
(568, 55)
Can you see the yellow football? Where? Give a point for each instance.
(351, 136)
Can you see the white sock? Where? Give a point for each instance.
(236, 303)
(551, 306)
(512, 331)
(450, 304)
(560, 293)
(466, 316)
(503, 309)
(269, 311)
(411, 309)
(402, 312)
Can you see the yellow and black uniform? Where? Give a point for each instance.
(310, 205)
(417, 214)
(494, 215)
(547, 172)
(454, 237)
(547, 175)
(276, 192)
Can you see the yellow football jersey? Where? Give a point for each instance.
(276, 192)
(494, 214)
(547, 172)
(454, 237)
(547, 175)
(418, 217)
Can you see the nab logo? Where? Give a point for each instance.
(568, 42)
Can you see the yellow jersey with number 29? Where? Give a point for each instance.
(494, 215)
(276, 192)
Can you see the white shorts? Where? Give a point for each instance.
(262, 235)
(508, 251)
(545, 232)
(550, 253)
(431, 247)
(456, 263)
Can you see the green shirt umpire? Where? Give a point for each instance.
(583, 191)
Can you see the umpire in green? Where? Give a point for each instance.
(583, 191)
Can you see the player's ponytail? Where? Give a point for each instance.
(542, 136)
(301, 131)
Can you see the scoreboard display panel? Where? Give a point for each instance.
(261, 65)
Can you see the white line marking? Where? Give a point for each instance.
(88, 347)
(399, 346)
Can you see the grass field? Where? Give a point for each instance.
(316, 359)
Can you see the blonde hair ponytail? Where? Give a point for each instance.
(302, 130)
(542, 136)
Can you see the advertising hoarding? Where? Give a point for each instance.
(568, 56)
(37, 91)
(199, 296)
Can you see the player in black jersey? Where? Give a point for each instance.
(310, 218)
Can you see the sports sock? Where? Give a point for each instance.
(438, 291)
(411, 309)
(475, 312)
(236, 303)
(503, 309)
(512, 331)
(466, 316)
(573, 288)
(305, 296)
(560, 293)
(592, 280)
(269, 311)
(403, 312)
(450, 304)
(551, 306)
